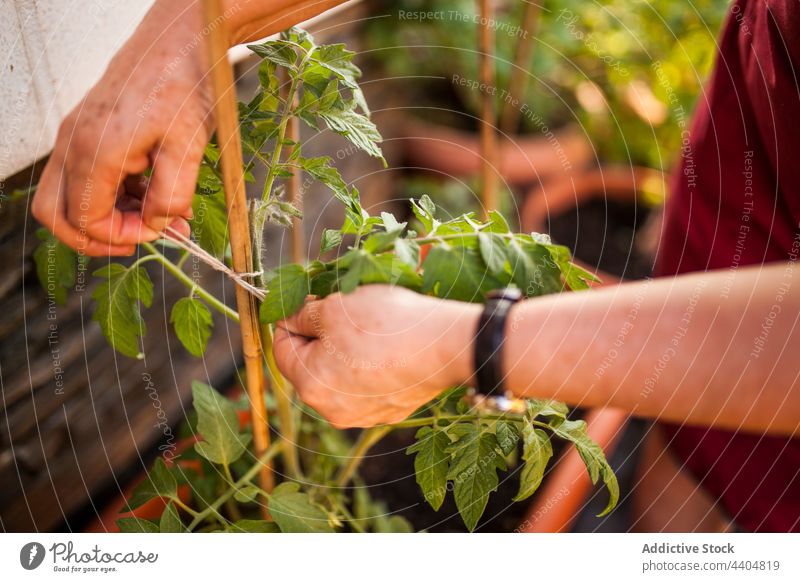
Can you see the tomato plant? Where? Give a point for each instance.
(459, 446)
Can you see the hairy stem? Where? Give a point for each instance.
(283, 398)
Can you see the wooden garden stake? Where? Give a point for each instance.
(230, 146)
(509, 118)
(488, 120)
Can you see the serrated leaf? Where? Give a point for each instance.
(507, 435)
(279, 52)
(356, 128)
(329, 240)
(118, 298)
(218, 425)
(497, 223)
(536, 452)
(192, 321)
(407, 250)
(576, 278)
(286, 293)
(431, 464)
(159, 482)
(493, 252)
(294, 512)
(136, 525)
(320, 168)
(390, 223)
(532, 268)
(555, 411)
(170, 520)
(473, 470)
(210, 223)
(456, 272)
(593, 457)
(56, 265)
(425, 211)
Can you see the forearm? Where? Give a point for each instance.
(717, 348)
(251, 20)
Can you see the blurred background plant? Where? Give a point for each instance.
(628, 71)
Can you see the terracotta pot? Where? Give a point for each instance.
(521, 159)
(557, 196)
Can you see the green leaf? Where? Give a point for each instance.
(246, 494)
(193, 324)
(493, 252)
(159, 482)
(555, 411)
(507, 435)
(210, 223)
(56, 265)
(577, 278)
(286, 293)
(279, 52)
(407, 250)
(456, 273)
(253, 526)
(320, 169)
(473, 470)
(536, 452)
(218, 425)
(365, 268)
(497, 223)
(425, 211)
(136, 525)
(532, 267)
(294, 512)
(118, 299)
(171, 521)
(593, 457)
(330, 240)
(431, 464)
(356, 128)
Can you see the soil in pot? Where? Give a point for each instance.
(602, 232)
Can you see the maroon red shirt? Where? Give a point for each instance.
(735, 201)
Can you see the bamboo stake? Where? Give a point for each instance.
(518, 84)
(227, 117)
(488, 120)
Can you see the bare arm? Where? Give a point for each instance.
(717, 349)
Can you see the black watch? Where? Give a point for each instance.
(489, 340)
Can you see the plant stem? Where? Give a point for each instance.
(288, 110)
(186, 280)
(366, 439)
(417, 422)
(283, 399)
(251, 473)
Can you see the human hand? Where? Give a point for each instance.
(149, 110)
(375, 355)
